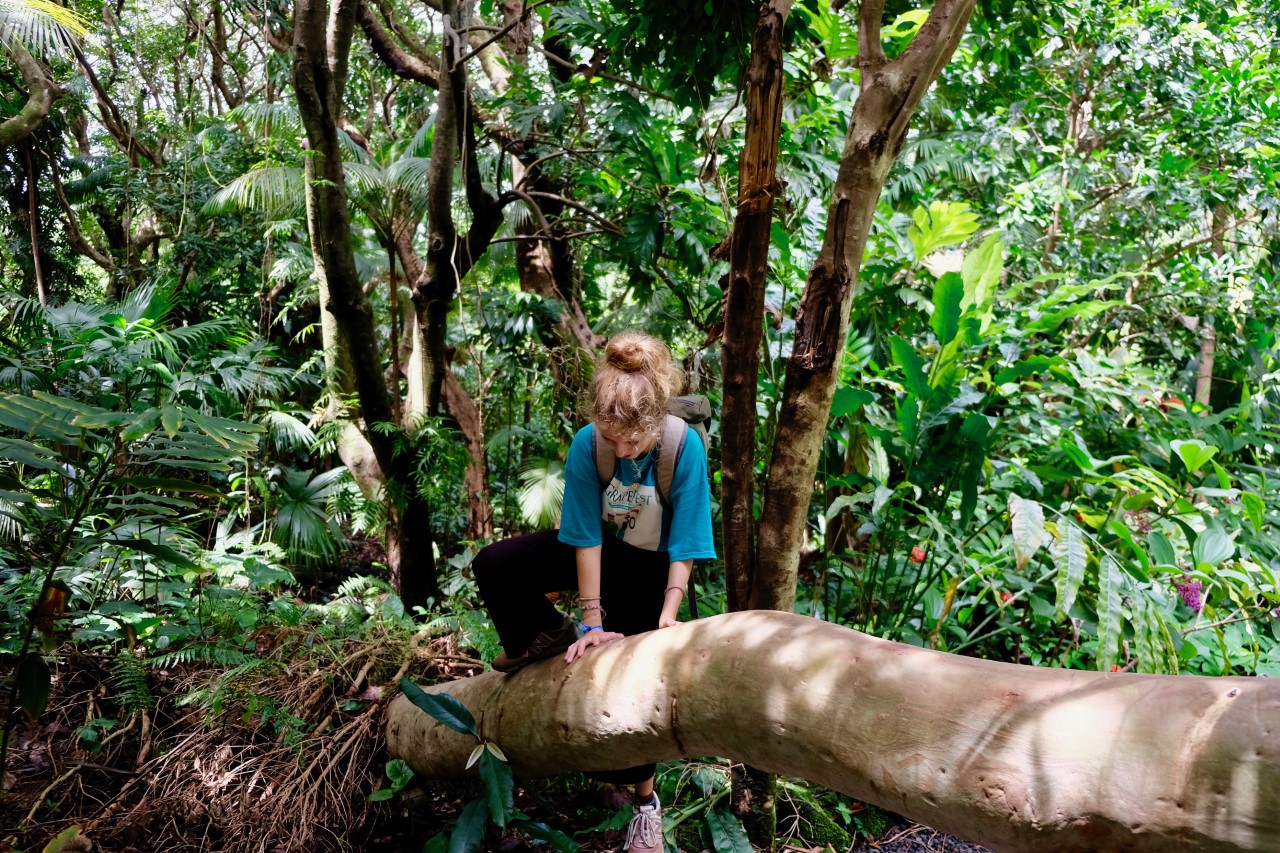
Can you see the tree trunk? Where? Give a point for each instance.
(322, 44)
(744, 299)
(887, 99)
(1017, 758)
(753, 790)
(42, 91)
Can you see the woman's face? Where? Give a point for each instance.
(626, 445)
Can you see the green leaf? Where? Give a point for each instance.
(171, 420)
(981, 272)
(1071, 555)
(444, 708)
(1027, 367)
(468, 835)
(438, 843)
(1255, 509)
(1193, 452)
(160, 551)
(1162, 553)
(142, 425)
(499, 787)
(848, 400)
(907, 412)
(727, 834)
(942, 224)
(947, 294)
(1110, 620)
(34, 679)
(1027, 518)
(62, 839)
(906, 357)
(1213, 546)
(1122, 531)
(554, 838)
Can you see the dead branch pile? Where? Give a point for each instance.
(279, 752)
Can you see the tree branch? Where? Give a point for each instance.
(42, 90)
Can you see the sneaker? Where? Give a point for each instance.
(545, 645)
(644, 833)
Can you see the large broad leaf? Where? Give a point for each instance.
(1119, 529)
(1027, 518)
(33, 679)
(848, 400)
(499, 787)
(907, 413)
(1071, 555)
(163, 553)
(913, 375)
(1213, 546)
(1254, 509)
(727, 834)
(942, 224)
(1110, 615)
(1161, 549)
(1193, 452)
(468, 835)
(443, 707)
(981, 273)
(947, 294)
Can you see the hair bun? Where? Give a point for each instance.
(628, 355)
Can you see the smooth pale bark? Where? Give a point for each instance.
(888, 97)
(1017, 758)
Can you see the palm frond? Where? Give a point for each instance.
(40, 26)
(293, 263)
(420, 146)
(272, 190)
(365, 179)
(263, 118)
(286, 431)
(409, 175)
(541, 491)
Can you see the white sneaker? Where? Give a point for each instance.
(644, 833)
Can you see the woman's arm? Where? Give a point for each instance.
(677, 583)
(589, 592)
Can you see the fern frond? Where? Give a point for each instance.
(129, 677)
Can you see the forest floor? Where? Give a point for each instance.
(281, 752)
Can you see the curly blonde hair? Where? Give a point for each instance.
(634, 377)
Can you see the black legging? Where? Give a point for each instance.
(514, 576)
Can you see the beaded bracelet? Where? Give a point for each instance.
(587, 607)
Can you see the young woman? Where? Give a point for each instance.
(627, 549)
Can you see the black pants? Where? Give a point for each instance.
(515, 575)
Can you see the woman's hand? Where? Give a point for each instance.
(588, 640)
(665, 621)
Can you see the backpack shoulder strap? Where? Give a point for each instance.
(674, 432)
(606, 461)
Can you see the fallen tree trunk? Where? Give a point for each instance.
(1014, 757)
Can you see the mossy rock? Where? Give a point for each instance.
(811, 817)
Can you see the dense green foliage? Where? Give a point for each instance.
(1055, 436)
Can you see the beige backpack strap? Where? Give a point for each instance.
(606, 461)
(670, 446)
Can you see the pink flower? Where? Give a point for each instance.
(1190, 589)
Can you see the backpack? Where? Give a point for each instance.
(694, 411)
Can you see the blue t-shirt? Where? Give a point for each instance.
(629, 507)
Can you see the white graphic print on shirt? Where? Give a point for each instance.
(633, 513)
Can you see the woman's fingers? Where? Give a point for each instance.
(586, 641)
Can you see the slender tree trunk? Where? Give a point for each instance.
(1015, 757)
(754, 797)
(744, 300)
(322, 43)
(888, 97)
